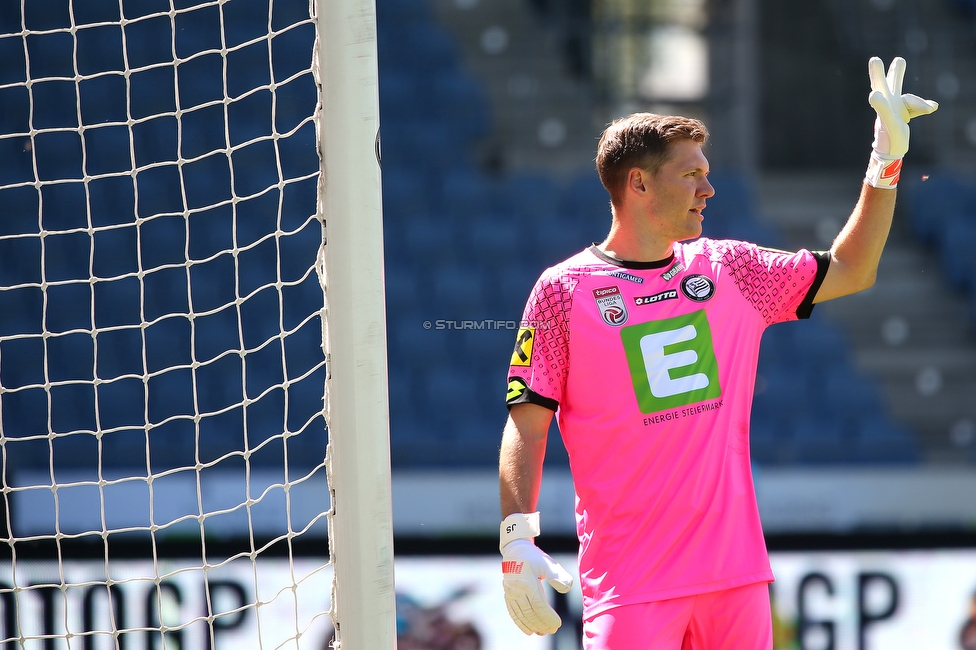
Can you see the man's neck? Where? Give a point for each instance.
(625, 244)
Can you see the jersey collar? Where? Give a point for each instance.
(627, 264)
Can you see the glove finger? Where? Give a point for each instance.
(516, 613)
(536, 614)
(560, 579)
(894, 80)
(896, 75)
(917, 106)
(547, 620)
(876, 73)
(883, 107)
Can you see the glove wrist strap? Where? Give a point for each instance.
(518, 526)
(883, 172)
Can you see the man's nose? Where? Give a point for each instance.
(706, 190)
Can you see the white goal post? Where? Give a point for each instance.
(194, 447)
(361, 538)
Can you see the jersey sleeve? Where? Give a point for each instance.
(779, 284)
(537, 370)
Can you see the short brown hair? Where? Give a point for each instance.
(641, 140)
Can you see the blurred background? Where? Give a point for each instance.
(864, 424)
(490, 116)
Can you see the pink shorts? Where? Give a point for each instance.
(733, 619)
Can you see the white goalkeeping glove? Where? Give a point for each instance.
(524, 567)
(894, 111)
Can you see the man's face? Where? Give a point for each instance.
(678, 191)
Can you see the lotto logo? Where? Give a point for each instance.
(672, 362)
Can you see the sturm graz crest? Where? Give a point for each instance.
(697, 287)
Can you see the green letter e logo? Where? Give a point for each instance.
(672, 362)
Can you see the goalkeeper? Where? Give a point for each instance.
(645, 347)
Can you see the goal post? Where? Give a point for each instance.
(191, 304)
(361, 530)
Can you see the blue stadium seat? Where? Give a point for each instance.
(219, 384)
(932, 200)
(462, 102)
(453, 399)
(734, 196)
(401, 97)
(533, 196)
(393, 13)
(50, 55)
(464, 191)
(108, 150)
(69, 307)
(58, 156)
(781, 392)
(221, 434)
(460, 293)
(245, 20)
(559, 236)
(197, 31)
(956, 244)
(100, 49)
(72, 408)
(819, 344)
(424, 238)
(17, 110)
(416, 347)
(404, 194)
(847, 393)
(125, 448)
(149, 42)
(20, 211)
(731, 213)
(819, 441)
(122, 403)
(15, 161)
(494, 238)
(585, 199)
(20, 259)
(402, 290)
(770, 439)
(171, 393)
(168, 343)
(120, 353)
(117, 302)
(879, 440)
(429, 47)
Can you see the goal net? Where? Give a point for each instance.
(162, 371)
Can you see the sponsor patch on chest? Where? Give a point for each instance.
(670, 294)
(611, 304)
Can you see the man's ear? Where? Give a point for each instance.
(635, 180)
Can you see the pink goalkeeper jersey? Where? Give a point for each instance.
(650, 368)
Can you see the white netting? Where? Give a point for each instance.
(161, 370)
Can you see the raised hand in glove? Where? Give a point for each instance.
(894, 111)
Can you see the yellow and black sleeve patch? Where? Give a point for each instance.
(522, 356)
(516, 390)
(520, 393)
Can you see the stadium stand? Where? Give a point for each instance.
(462, 245)
(123, 244)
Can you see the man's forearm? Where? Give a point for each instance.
(523, 451)
(856, 251)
